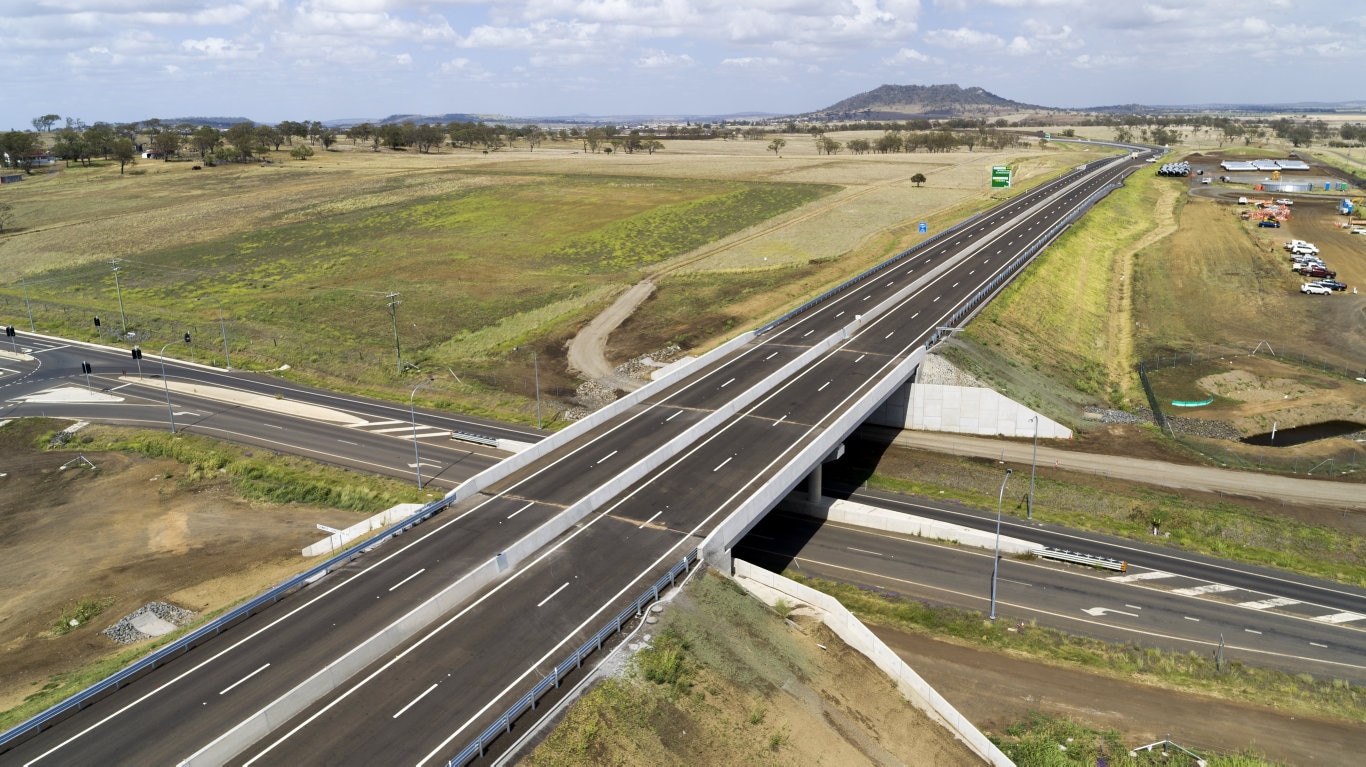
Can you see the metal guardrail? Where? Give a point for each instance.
(575, 660)
(478, 439)
(35, 724)
(1063, 555)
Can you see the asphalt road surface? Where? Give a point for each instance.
(1263, 626)
(425, 700)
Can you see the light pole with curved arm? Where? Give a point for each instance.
(166, 385)
(1032, 463)
(412, 414)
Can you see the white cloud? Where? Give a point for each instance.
(218, 48)
(906, 56)
(964, 38)
(664, 60)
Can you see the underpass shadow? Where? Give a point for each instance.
(863, 451)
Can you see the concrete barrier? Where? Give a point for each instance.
(338, 541)
(770, 587)
(868, 517)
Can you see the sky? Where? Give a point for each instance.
(273, 60)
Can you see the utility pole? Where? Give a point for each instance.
(227, 361)
(393, 315)
(123, 319)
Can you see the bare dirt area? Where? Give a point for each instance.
(723, 680)
(128, 534)
(994, 690)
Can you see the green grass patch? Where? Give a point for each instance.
(79, 613)
(263, 477)
(1191, 672)
(1047, 741)
(1223, 529)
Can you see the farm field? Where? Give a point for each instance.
(485, 252)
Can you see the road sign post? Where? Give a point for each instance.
(1000, 177)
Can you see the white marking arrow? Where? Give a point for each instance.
(1099, 611)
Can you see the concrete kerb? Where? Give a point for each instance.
(856, 635)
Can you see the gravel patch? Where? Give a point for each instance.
(153, 616)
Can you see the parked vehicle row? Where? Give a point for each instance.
(1304, 259)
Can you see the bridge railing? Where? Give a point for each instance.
(36, 723)
(575, 660)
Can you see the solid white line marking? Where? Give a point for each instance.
(605, 457)
(48, 349)
(1133, 607)
(348, 442)
(1316, 644)
(1252, 631)
(648, 521)
(1187, 617)
(407, 428)
(1268, 603)
(273, 426)
(1208, 588)
(524, 508)
(378, 423)
(415, 700)
(116, 388)
(243, 679)
(675, 415)
(827, 383)
(552, 594)
(409, 578)
(865, 551)
(723, 463)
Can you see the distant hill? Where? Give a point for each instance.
(899, 102)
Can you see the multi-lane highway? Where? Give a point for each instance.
(420, 701)
(1290, 623)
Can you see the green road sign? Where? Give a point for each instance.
(1000, 177)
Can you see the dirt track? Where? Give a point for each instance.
(1343, 495)
(588, 349)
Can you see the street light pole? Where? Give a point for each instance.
(1032, 463)
(227, 362)
(412, 414)
(536, 371)
(123, 318)
(996, 560)
(166, 385)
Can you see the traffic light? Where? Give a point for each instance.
(137, 353)
(9, 331)
(85, 368)
(97, 322)
(187, 338)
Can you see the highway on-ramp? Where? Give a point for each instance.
(496, 645)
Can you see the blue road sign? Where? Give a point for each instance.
(924, 227)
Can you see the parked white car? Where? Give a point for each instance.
(1305, 249)
(1358, 230)
(1315, 289)
(1285, 202)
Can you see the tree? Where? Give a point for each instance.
(243, 138)
(167, 142)
(123, 151)
(301, 152)
(653, 145)
(776, 145)
(205, 140)
(271, 137)
(360, 132)
(70, 146)
(831, 146)
(918, 179)
(45, 122)
(22, 147)
(326, 136)
(859, 145)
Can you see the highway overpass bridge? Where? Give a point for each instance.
(439, 639)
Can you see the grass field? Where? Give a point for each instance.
(294, 261)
